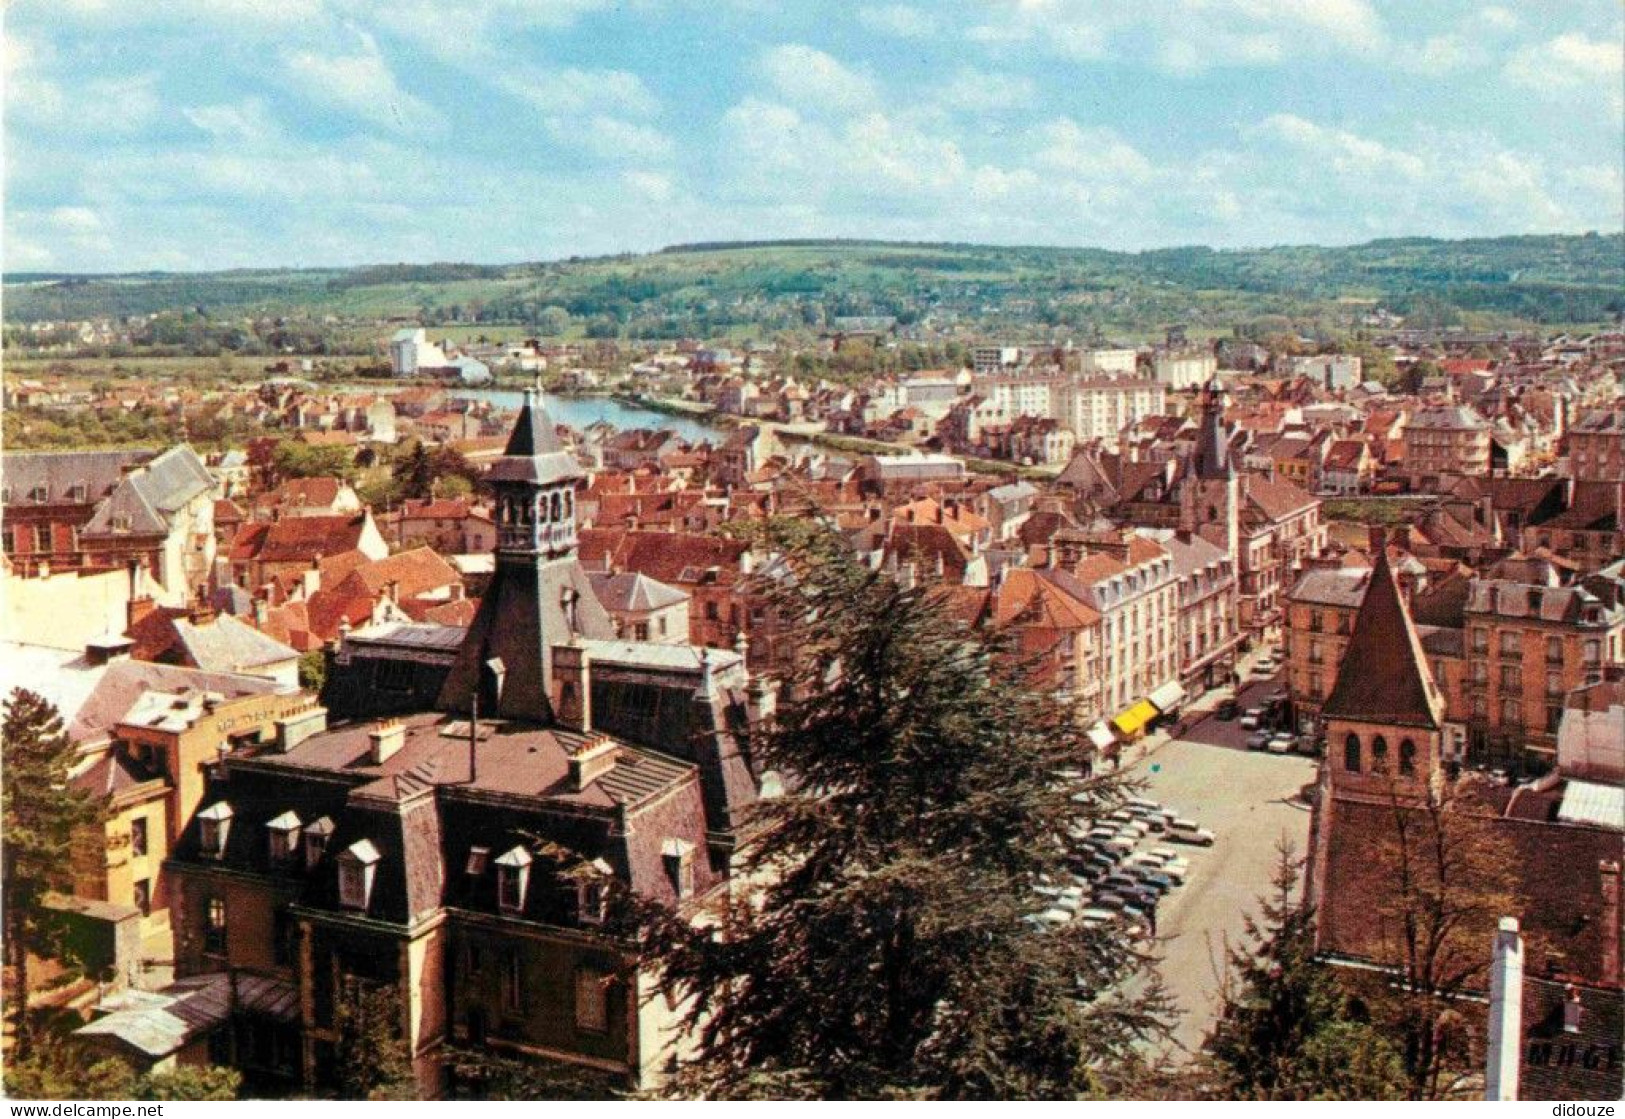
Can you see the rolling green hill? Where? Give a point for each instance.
(743, 289)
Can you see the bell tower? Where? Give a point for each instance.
(1385, 716)
(1210, 493)
(539, 595)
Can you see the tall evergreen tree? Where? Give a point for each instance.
(1283, 1031)
(890, 950)
(39, 816)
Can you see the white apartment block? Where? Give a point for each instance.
(1121, 362)
(411, 350)
(1100, 408)
(1184, 371)
(1022, 396)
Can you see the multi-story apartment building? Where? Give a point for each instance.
(99, 510)
(1185, 370)
(1208, 631)
(1110, 363)
(1096, 407)
(1443, 441)
(1280, 532)
(1129, 579)
(1527, 648)
(466, 857)
(1597, 446)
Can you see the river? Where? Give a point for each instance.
(580, 411)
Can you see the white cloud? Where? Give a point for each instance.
(650, 184)
(1499, 19)
(362, 85)
(573, 90)
(900, 20)
(248, 121)
(809, 78)
(1568, 62)
(1087, 153)
(612, 138)
(985, 91)
(1344, 152)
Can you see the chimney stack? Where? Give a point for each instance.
(386, 740)
(1571, 1009)
(293, 729)
(1612, 933)
(1506, 1013)
(595, 758)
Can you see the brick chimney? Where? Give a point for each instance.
(1612, 931)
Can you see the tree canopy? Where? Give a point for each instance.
(892, 950)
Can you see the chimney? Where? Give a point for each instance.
(1612, 933)
(293, 729)
(1571, 1009)
(1506, 1014)
(139, 607)
(595, 758)
(386, 740)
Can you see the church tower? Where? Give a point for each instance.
(1210, 492)
(539, 595)
(1385, 716)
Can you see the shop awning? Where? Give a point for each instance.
(1132, 721)
(1167, 696)
(1100, 734)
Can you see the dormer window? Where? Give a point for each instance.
(513, 879)
(358, 865)
(592, 894)
(39, 495)
(478, 859)
(283, 837)
(214, 825)
(678, 856)
(316, 837)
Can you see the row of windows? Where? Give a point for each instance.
(592, 987)
(1354, 760)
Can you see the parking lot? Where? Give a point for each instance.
(1249, 800)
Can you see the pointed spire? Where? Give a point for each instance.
(1212, 442)
(1384, 677)
(533, 434)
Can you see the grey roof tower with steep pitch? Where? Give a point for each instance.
(540, 595)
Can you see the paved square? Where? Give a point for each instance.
(1247, 799)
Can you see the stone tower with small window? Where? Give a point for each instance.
(539, 595)
(1385, 716)
(1210, 491)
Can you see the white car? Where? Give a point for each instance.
(1252, 717)
(1187, 831)
(1281, 744)
(1178, 869)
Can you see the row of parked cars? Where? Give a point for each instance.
(1121, 867)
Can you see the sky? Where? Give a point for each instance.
(207, 134)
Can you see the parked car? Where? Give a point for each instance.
(1282, 744)
(1258, 740)
(1251, 718)
(1161, 883)
(1132, 803)
(1187, 831)
(1227, 709)
(1177, 869)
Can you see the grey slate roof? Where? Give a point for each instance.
(227, 645)
(634, 592)
(59, 471)
(149, 495)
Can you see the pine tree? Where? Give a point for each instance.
(39, 816)
(1284, 1032)
(890, 950)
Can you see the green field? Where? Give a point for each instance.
(773, 289)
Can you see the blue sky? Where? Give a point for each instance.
(192, 134)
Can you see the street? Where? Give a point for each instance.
(1250, 801)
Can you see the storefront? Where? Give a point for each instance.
(1167, 699)
(1131, 723)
